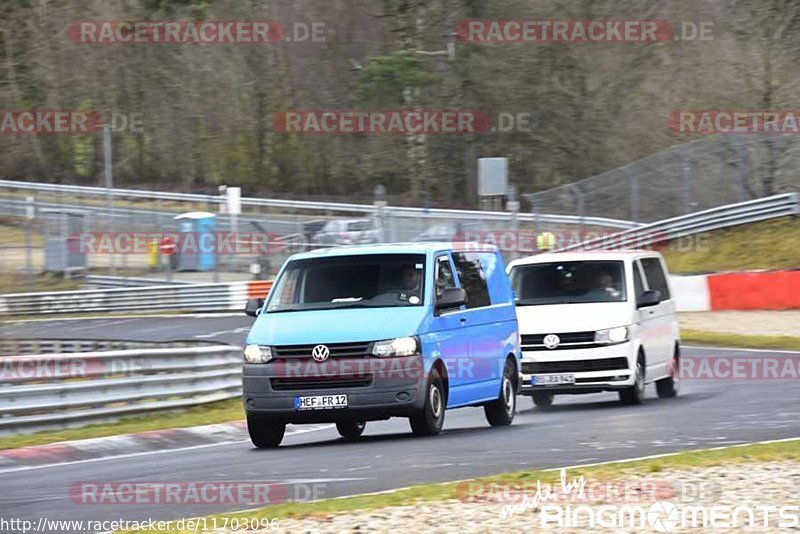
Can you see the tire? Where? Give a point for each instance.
(543, 400)
(500, 412)
(429, 420)
(635, 393)
(265, 433)
(667, 388)
(350, 430)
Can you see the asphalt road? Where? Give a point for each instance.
(576, 430)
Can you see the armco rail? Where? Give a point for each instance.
(694, 223)
(195, 297)
(97, 280)
(292, 205)
(42, 391)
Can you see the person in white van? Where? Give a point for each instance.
(596, 321)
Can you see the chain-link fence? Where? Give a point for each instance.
(709, 172)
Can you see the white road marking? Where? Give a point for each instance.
(239, 330)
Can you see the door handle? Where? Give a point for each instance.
(462, 320)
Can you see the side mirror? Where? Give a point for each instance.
(253, 307)
(651, 297)
(451, 298)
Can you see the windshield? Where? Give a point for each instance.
(362, 281)
(359, 226)
(569, 282)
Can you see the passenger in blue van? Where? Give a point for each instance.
(337, 319)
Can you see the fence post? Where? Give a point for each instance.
(581, 207)
(30, 214)
(633, 181)
(687, 180)
(109, 175)
(742, 163)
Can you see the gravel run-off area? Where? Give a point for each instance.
(662, 496)
(765, 323)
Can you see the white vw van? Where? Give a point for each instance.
(596, 321)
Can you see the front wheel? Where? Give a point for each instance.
(635, 393)
(265, 433)
(429, 420)
(500, 412)
(668, 387)
(351, 430)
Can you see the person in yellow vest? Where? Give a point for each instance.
(545, 241)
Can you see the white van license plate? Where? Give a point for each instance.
(551, 380)
(320, 402)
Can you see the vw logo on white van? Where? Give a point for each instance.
(551, 341)
(320, 353)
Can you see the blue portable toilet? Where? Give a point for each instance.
(201, 255)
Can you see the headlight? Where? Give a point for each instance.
(401, 346)
(612, 335)
(257, 354)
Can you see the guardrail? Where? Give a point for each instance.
(129, 281)
(14, 346)
(195, 297)
(702, 221)
(294, 205)
(39, 391)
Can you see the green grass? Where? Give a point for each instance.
(18, 283)
(770, 244)
(789, 450)
(740, 340)
(216, 412)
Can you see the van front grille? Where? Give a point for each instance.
(337, 350)
(320, 382)
(576, 366)
(567, 340)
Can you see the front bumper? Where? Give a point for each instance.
(376, 388)
(594, 369)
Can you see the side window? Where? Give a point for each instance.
(444, 275)
(473, 279)
(655, 276)
(638, 286)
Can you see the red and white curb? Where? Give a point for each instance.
(127, 445)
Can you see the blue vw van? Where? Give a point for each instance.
(363, 333)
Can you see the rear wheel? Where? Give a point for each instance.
(429, 420)
(635, 393)
(500, 412)
(543, 400)
(351, 430)
(265, 432)
(668, 387)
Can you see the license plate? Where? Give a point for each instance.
(552, 380)
(320, 402)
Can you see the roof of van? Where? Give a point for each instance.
(393, 248)
(585, 255)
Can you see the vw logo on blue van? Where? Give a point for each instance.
(320, 353)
